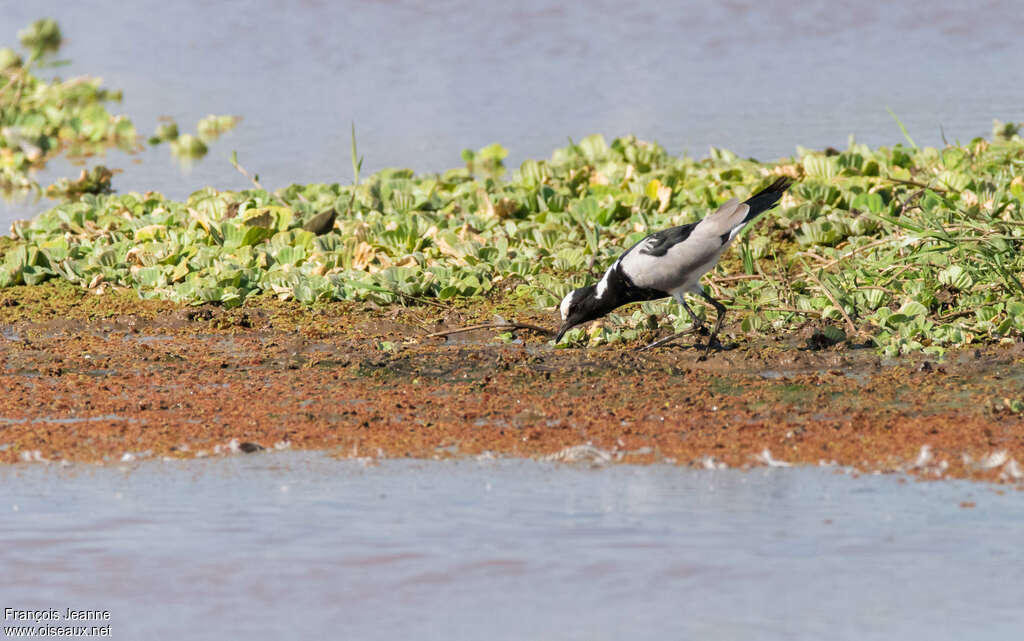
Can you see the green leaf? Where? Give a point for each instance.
(821, 166)
(913, 308)
(956, 277)
(868, 202)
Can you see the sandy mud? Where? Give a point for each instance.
(101, 378)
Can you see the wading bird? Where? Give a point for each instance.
(670, 263)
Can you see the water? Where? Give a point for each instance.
(297, 545)
(424, 80)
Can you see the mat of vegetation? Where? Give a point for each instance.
(41, 119)
(915, 248)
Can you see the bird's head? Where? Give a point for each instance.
(579, 306)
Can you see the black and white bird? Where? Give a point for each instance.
(670, 263)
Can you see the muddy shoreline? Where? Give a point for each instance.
(93, 378)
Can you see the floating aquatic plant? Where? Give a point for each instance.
(41, 37)
(211, 127)
(188, 146)
(165, 132)
(914, 248)
(41, 119)
(94, 181)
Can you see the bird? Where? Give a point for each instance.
(670, 262)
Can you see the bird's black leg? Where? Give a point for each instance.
(720, 308)
(698, 326)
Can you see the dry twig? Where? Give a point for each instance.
(471, 328)
(855, 250)
(914, 183)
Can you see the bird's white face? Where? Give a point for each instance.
(566, 303)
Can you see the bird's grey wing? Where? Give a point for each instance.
(673, 260)
(656, 261)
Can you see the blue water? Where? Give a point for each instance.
(424, 80)
(298, 545)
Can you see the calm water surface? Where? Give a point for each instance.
(297, 545)
(424, 80)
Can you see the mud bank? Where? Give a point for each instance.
(96, 378)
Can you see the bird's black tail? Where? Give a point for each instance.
(765, 199)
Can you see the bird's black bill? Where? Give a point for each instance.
(561, 332)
